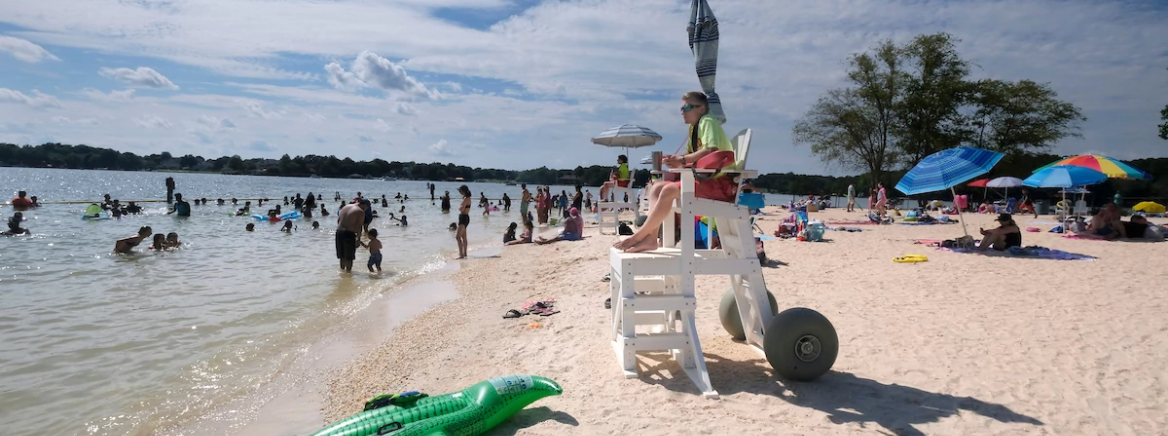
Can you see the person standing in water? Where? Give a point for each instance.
(181, 207)
(524, 201)
(431, 192)
(350, 221)
(463, 220)
(169, 190)
(374, 247)
(446, 202)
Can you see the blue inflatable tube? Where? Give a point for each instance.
(284, 216)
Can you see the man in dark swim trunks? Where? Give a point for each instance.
(350, 221)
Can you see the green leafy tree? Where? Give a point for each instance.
(1164, 127)
(235, 163)
(928, 115)
(1020, 117)
(854, 127)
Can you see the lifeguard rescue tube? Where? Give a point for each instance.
(471, 411)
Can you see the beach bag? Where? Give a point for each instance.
(624, 230)
(813, 232)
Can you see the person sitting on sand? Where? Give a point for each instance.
(124, 245)
(250, 227)
(525, 237)
(14, 225)
(159, 243)
(573, 226)
(1005, 236)
(509, 235)
(172, 240)
(1105, 225)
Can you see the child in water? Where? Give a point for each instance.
(374, 246)
(287, 227)
(250, 227)
(172, 240)
(315, 225)
(14, 225)
(453, 227)
(159, 242)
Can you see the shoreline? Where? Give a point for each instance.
(919, 351)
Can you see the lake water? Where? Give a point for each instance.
(96, 344)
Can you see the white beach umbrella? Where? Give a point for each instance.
(1005, 182)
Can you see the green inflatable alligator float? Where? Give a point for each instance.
(468, 412)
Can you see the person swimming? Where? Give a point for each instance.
(287, 227)
(125, 245)
(250, 227)
(14, 225)
(315, 225)
(172, 240)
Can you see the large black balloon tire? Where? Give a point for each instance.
(800, 344)
(732, 320)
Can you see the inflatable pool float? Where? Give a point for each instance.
(471, 411)
(284, 216)
(910, 258)
(93, 212)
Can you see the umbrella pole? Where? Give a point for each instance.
(959, 212)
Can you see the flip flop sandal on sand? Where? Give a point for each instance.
(544, 311)
(608, 303)
(607, 277)
(512, 314)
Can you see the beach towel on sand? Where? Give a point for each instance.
(1032, 252)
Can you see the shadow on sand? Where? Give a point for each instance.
(531, 416)
(844, 397)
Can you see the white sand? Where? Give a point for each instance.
(962, 344)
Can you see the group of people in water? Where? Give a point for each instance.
(160, 242)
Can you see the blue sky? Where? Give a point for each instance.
(524, 83)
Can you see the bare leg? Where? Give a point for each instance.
(646, 237)
(991, 239)
(604, 190)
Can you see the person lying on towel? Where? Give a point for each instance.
(1002, 238)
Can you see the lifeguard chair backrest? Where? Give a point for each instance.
(741, 144)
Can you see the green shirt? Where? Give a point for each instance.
(711, 135)
(622, 172)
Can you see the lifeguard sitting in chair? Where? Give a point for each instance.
(708, 148)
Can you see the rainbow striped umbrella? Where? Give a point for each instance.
(1113, 168)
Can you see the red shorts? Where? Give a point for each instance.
(718, 189)
(622, 183)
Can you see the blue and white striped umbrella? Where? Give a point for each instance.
(703, 42)
(628, 136)
(948, 168)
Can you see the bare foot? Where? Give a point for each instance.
(624, 244)
(646, 244)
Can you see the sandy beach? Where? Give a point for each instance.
(961, 344)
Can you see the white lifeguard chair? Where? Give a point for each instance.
(609, 211)
(653, 299)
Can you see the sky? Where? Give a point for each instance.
(520, 84)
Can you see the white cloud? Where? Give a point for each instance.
(440, 148)
(82, 121)
(371, 70)
(153, 122)
(24, 50)
(37, 99)
(544, 79)
(405, 109)
(123, 95)
(215, 123)
(143, 77)
(381, 126)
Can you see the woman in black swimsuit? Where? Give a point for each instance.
(463, 220)
(1005, 236)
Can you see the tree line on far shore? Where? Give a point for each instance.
(86, 157)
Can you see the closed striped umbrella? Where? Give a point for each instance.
(703, 42)
(628, 136)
